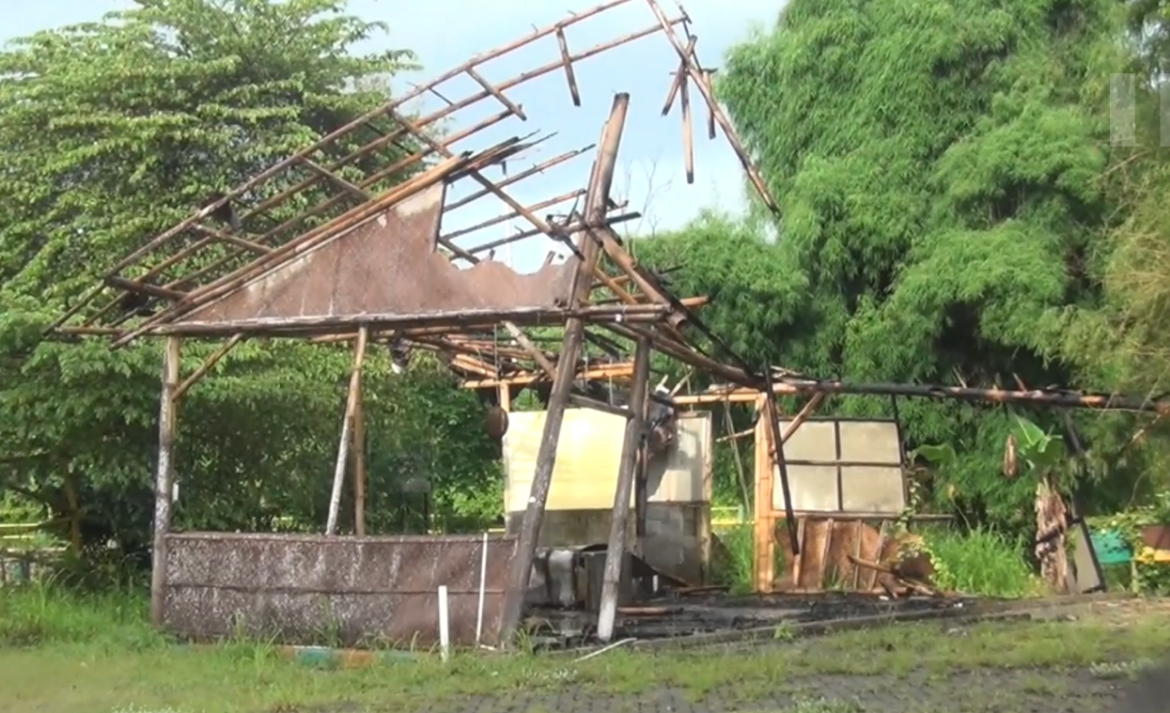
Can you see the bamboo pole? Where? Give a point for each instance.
(720, 118)
(621, 258)
(531, 348)
(1038, 397)
(629, 315)
(517, 177)
(505, 217)
(599, 186)
(679, 78)
(729, 424)
(359, 467)
(302, 216)
(205, 294)
(499, 95)
(619, 522)
(764, 569)
(777, 457)
(641, 480)
(512, 203)
(354, 190)
(86, 297)
(710, 114)
(274, 170)
(688, 131)
(801, 416)
(611, 371)
(363, 119)
(567, 63)
(687, 356)
(207, 366)
(355, 387)
(164, 479)
(231, 239)
(568, 230)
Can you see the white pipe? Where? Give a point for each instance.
(444, 627)
(482, 589)
(603, 649)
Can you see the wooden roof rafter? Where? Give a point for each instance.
(349, 168)
(195, 278)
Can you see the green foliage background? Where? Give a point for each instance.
(953, 211)
(110, 132)
(950, 215)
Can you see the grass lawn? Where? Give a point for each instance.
(98, 656)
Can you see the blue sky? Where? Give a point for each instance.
(650, 168)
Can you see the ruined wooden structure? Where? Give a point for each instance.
(344, 242)
(816, 540)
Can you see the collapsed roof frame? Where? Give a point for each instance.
(258, 232)
(224, 270)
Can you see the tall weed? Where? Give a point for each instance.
(734, 558)
(980, 562)
(48, 613)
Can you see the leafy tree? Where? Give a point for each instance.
(938, 164)
(109, 133)
(1125, 342)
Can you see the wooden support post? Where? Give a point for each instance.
(595, 207)
(504, 390)
(619, 523)
(776, 454)
(164, 479)
(355, 387)
(766, 459)
(765, 539)
(359, 467)
(641, 484)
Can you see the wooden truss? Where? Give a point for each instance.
(343, 241)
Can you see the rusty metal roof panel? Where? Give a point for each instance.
(388, 265)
